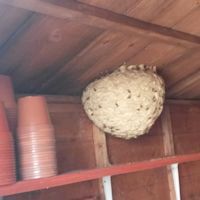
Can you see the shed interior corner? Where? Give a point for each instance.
(56, 48)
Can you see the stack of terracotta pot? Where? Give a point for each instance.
(8, 98)
(7, 159)
(35, 139)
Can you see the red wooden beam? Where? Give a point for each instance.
(86, 175)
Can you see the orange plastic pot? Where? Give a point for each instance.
(32, 111)
(3, 119)
(8, 98)
(35, 139)
(7, 159)
(6, 92)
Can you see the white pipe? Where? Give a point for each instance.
(107, 187)
(175, 175)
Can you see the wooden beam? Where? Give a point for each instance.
(86, 175)
(168, 140)
(168, 143)
(100, 146)
(101, 154)
(184, 85)
(104, 19)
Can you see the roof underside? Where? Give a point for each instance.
(58, 47)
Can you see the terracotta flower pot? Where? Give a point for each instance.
(32, 112)
(34, 159)
(8, 98)
(37, 157)
(6, 92)
(12, 118)
(7, 159)
(3, 119)
(34, 131)
(35, 139)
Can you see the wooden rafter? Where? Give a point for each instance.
(105, 19)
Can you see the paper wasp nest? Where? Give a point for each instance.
(127, 102)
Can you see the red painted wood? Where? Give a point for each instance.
(79, 176)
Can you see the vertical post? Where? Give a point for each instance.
(100, 146)
(102, 160)
(168, 143)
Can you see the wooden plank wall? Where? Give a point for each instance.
(152, 184)
(186, 129)
(76, 150)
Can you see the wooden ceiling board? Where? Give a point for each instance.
(141, 9)
(97, 49)
(53, 56)
(104, 19)
(158, 54)
(183, 91)
(113, 62)
(114, 5)
(11, 19)
(20, 46)
(175, 12)
(185, 85)
(162, 12)
(9, 53)
(147, 10)
(185, 65)
(190, 23)
(42, 49)
(193, 92)
(112, 58)
(153, 53)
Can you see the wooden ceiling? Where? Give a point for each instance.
(59, 46)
